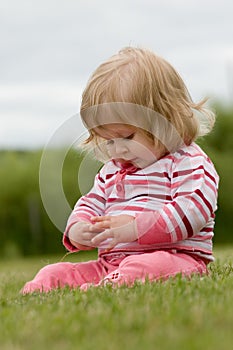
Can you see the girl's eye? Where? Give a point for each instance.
(130, 137)
(110, 142)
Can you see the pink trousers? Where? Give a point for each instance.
(115, 270)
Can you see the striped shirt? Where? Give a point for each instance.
(173, 201)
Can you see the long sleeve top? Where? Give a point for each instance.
(173, 201)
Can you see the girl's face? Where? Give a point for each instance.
(129, 144)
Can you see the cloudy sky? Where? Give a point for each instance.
(50, 47)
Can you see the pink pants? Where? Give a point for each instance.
(115, 270)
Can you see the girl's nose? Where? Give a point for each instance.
(119, 147)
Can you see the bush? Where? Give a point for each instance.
(219, 146)
(25, 227)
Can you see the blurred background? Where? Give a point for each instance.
(48, 51)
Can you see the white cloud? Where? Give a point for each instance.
(30, 113)
(50, 47)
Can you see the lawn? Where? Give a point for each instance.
(176, 314)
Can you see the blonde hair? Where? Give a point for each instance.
(138, 77)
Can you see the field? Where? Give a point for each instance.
(176, 314)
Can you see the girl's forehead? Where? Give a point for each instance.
(114, 130)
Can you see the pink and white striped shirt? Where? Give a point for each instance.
(173, 201)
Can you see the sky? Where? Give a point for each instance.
(49, 48)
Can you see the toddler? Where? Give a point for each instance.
(151, 210)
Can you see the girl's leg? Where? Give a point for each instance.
(154, 266)
(65, 274)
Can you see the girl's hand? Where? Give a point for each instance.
(103, 222)
(120, 229)
(80, 235)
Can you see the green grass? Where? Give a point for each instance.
(176, 314)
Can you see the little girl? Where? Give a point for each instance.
(151, 209)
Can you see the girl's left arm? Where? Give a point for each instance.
(92, 204)
(194, 187)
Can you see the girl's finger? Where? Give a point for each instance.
(99, 218)
(101, 237)
(89, 235)
(100, 225)
(95, 229)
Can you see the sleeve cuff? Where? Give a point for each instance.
(151, 229)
